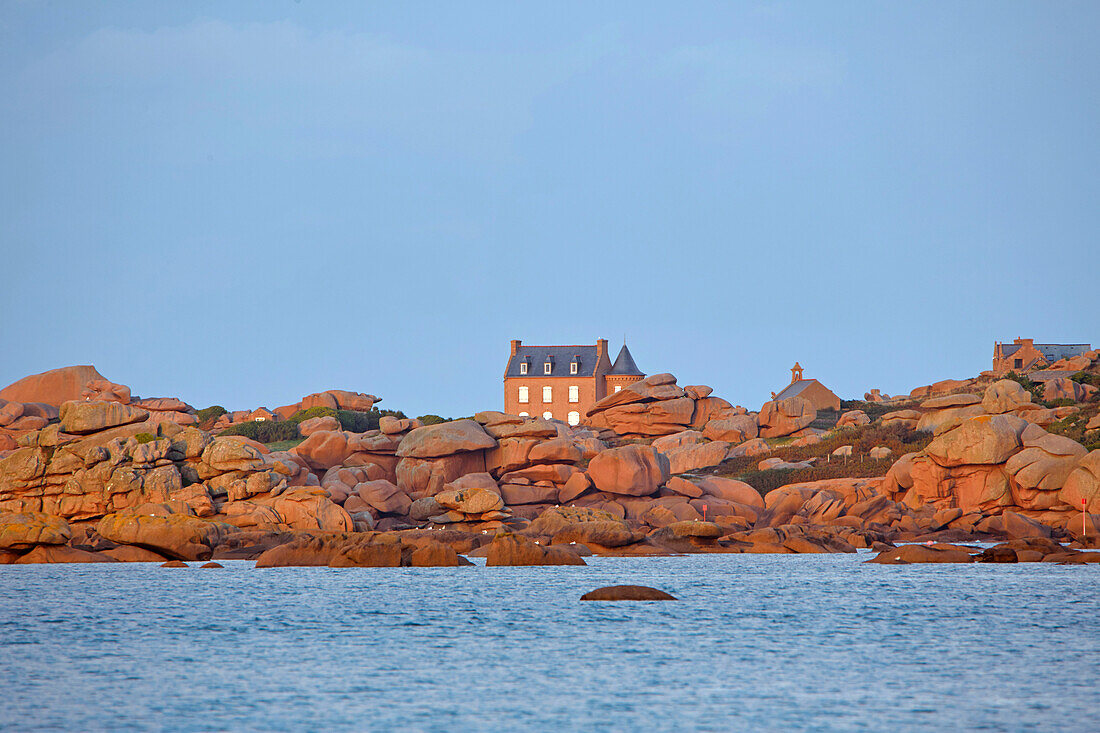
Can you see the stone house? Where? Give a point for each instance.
(563, 382)
(1024, 355)
(820, 396)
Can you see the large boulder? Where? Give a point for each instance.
(692, 458)
(317, 424)
(23, 530)
(632, 470)
(907, 554)
(665, 417)
(501, 425)
(80, 417)
(779, 418)
(1004, 396)
(339, 399)
(61, 554)
(733, 429)
(445, 439)
(941, 420)
(54, 387)
(853, 419)
(1082, 487)
(384, 496)
(731, 490)
(987, 439)
(1066, 389)
(1042, 467)
(473, 500)
(323, 449)
(510, 549)
(652, 388)
(177, 536)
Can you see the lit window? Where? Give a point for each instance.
(523, 367)
(260, 419)
(524, 414)
(574, 418)
(574, 393)
(546, 367)
(548, 415)
(573, 367)
(547, 394)
(523, 395)
(618, 387)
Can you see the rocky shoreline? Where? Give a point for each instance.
(89, 473)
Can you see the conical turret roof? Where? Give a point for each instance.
(624, 364)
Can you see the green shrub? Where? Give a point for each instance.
(302, 415)
(351, 420)
(145, 438)
(1060, 402)
(209, 415)
(265, 431)
(432, 419)
(1087, 378)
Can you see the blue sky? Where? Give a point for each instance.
(242, 203)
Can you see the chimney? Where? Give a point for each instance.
(601, 348)
(515, 346)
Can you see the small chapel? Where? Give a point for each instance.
(818, 395)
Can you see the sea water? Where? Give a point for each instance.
(755, 642)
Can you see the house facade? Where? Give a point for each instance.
(1024, 355)
(818, 395)
(562, 382)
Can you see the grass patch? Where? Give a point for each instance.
(898, 438)
(284, 444)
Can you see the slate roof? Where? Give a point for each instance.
(560, 358)
(1054, 352)
(794, 389)
(1051, 352)
(624, 364)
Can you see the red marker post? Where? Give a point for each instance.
(1084, 522)
(704, 512)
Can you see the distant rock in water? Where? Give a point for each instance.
(211, 564)
(627, 593)
(175, 564)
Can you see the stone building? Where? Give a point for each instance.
(562, 382)
(1024, 355)
(820, 396)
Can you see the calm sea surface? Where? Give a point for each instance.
(757, 642)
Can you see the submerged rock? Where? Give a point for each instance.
(627, 593)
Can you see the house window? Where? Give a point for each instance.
(523, 367)
(574, 418)
(259, 419)
(572, 367)
(1019, 363)
(546, 367)
(548, 415)
(524, 414)
(617, 388)
(523, 395)
(574, 393)
(547, 394)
